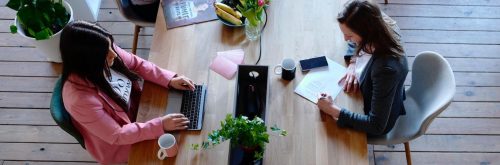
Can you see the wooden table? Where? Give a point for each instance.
(298, 29)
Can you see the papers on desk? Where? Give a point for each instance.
(321, 80)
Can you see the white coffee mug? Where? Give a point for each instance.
(168, 146)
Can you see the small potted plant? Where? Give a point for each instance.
(42, 22)
(250, 135)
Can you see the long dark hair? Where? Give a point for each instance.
(84, 47)
(365, 19)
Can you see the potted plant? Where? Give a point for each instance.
(250, 135)
(42, 22)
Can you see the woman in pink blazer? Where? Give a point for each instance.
(101, 92)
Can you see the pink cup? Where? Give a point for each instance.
(168, 146)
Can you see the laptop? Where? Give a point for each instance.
(189, 103)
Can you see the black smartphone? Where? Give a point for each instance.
(311, 63)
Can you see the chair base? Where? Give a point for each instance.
(386, 1)
(137, 29)
(407, 151)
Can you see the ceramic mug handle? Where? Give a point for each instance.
(279, 71)
(162, 154)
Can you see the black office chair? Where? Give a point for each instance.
(127, 10)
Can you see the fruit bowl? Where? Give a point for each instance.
(228, 15)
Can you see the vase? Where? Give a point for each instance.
(247, 149)
(249, 155)
(252, 31)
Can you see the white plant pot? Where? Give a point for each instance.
(48, 47)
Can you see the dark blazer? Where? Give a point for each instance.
(382, 86)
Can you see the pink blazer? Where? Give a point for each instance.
(98, 117)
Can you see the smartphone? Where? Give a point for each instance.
(311, 63)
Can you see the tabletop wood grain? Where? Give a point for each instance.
(297, 30)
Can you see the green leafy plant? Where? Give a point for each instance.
(39, 19)
(250, 134)
(252, 10)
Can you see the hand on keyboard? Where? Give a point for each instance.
(182, 83)
(175, 121)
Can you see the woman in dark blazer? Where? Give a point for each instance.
(380, 53)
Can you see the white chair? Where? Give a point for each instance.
(431, 91)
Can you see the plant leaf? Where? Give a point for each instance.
(46, 17)
(60, 12)
(195, 146)
(275, 128)
(259, 155)
(13, 29)
(283, 133)
(241, 9)
(14, 4)
(243, 3)
(204, 145)
(31, 32)
(43, 34)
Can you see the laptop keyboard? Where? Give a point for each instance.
(192, 104)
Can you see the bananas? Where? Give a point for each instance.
(227, 13)
(228, 9)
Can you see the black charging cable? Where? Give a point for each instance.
(260, 38)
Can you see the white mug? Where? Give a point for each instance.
(168, 146)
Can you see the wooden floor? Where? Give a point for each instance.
(466, 32)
